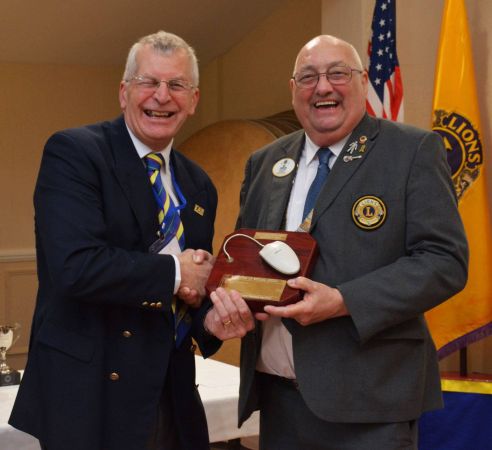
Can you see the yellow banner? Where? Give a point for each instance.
(467, 316)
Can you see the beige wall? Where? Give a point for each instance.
(251, 81)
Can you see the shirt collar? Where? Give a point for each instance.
(143, 150)
(310, 148)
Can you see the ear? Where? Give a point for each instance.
(292, 86)
(195, 97)
(365, 81)
(122, 95)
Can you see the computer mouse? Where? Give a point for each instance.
(281, 257)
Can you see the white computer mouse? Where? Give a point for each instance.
(281, 257)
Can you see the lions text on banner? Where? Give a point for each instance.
(385, 93)
(466, 317)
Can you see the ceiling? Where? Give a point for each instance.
(100, 32)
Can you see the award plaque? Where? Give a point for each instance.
(240, 267)
(8, 336)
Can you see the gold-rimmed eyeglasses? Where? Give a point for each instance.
(152, 84)
(336, 75)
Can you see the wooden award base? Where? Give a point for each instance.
(246, 271)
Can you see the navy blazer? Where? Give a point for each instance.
(102, 335)
(379, 364)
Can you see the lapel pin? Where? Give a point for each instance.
(283, 167)
(363, 139)
(349, 158)
(352, 147)
(199, 210)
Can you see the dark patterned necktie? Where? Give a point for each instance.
(324, 155)
(170, 226)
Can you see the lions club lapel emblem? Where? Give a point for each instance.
(369, 212)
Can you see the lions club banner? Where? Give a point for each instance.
(467, 317)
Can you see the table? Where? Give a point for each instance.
(218, 384)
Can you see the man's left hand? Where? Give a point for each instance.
(230, 316)
(320, 302)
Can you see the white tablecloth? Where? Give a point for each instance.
(218, 384)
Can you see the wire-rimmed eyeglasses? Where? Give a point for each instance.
(152, 84)
(336, 75)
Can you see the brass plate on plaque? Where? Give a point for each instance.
(254, 287)
(270, 236)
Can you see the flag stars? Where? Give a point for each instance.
(377, 81)
(380, 52)
(381, 37)
(382, 23)
(383, 7)
(379, 67)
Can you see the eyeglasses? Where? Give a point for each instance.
(336, 75)
(152, 84)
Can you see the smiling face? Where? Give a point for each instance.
(328, 113)
(155, 116)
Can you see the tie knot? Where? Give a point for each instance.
(154, 161)
(324, 154)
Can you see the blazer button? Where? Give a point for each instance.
(114, 376)
(145, 303)
(127, 334)
(152, 305)
(158, 304)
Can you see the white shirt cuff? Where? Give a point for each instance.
(177, 278)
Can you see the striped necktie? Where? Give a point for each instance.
(170, 226)
(324, 155)
(169, 220)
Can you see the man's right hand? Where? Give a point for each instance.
(195, 268)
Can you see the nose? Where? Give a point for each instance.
(162, 94)
(323, 83)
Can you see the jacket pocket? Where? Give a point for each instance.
(72, 344)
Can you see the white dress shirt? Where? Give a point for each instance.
(276, 356)
(172, 248)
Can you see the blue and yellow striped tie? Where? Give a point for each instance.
(170, 226)
(169, 221)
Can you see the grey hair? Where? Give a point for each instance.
(164, 42)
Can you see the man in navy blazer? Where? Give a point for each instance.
(351, 366)
(104, 370)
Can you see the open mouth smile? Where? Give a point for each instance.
(158, 114)
(326, 104)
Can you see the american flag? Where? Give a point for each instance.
(385, 94)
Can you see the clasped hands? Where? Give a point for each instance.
(230, 317)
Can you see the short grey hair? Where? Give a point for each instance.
(164, 42)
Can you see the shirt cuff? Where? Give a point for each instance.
(177, 277)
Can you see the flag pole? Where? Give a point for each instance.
(464, 362)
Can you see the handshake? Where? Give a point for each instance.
(230, 316)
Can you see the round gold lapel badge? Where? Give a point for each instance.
(369, 212)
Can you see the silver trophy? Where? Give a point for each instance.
(8, 337)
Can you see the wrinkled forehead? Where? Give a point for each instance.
(322, 54)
